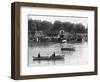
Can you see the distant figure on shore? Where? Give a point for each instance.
(53, 55)
(39, 55)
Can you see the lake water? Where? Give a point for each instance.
(77, 57)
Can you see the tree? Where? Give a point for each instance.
(30, 21)
(56, 26)
(79, 28)
(46, 26)
(68, 27)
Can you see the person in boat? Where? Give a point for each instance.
(53, 55)
(39, 55)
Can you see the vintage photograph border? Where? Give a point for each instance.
(15, 40)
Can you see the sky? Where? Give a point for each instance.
(72, 19)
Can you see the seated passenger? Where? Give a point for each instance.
(39, 55)
(53, 55)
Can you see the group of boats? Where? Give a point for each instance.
(72, 38)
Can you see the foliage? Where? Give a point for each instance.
(47, 26)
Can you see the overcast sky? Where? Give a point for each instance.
(82, 20)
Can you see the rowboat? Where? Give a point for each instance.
(68, 49)
(57, 57)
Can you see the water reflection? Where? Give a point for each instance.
(77, 57)
(53, 62)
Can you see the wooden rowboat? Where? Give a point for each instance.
(68, 49)
(58, 57)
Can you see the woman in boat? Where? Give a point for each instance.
(38, 55)
(53, 55)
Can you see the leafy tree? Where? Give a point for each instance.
(68, 27)
(47, 26)
(56, 26)
(79, 28)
